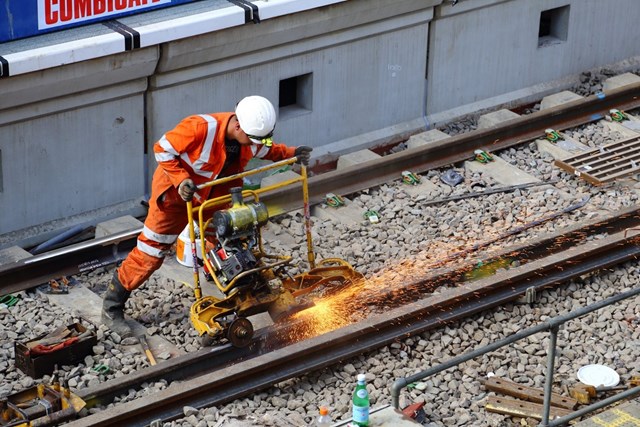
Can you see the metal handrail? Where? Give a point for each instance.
(551, 325)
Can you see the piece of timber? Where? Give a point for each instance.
(500, 385)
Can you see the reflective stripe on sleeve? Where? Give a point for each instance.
(167, 147)
(212, 125)
(164, 157)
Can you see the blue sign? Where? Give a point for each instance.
(25, 18)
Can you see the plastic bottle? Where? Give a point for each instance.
(360, 407)
(324, 420)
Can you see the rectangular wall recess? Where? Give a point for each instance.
(295, 96)
(554, 26)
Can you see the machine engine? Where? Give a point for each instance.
(237, 233)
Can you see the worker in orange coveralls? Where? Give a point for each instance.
(199, 149)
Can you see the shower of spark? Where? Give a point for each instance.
(388, 288)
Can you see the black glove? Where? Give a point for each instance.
(303, 153)
(186, 189)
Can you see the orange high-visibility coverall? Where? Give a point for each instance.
(194, 149)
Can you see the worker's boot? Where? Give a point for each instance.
(113, 308)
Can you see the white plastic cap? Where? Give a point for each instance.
(257, 118)
(362, 377)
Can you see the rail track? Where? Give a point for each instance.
(217, 375)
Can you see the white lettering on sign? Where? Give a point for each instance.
(53, 13)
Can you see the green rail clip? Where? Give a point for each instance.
(482, 156)
(553, 135)
(8, 300)
(410, 178)
(101, 369)
(334, 200)
(618, 115)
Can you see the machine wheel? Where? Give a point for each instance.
(240, 332)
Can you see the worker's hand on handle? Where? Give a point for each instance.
(186, 189)
(303, 153)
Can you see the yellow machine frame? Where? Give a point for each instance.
(207, 309)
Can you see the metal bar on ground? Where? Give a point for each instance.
(490, 191)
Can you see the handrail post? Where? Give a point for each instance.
(551, 358)
(397, 386)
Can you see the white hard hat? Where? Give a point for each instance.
(257, 118)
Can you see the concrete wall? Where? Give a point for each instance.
(72, 139)
(489, 48)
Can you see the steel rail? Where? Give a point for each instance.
(80, 257)
(177, 369)
(30, 272)
(287, 361)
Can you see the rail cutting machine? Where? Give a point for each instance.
(251, 280)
